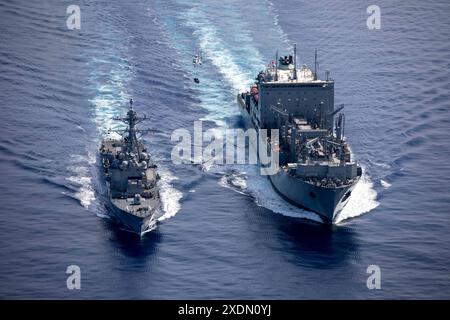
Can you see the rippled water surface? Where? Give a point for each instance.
(225, 233)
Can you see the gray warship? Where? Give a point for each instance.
(315, 171)
(131, 176)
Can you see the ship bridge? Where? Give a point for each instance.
(287, 75)
(298, 92)
(283, 70)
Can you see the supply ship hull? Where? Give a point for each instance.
(325, 201)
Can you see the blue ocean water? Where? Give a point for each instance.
(224, 232)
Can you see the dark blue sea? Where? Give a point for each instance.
(224, 232)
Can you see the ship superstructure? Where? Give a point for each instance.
(316, 171)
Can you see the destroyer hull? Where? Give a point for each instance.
(136, 224)
(133, 223)
(327, 202)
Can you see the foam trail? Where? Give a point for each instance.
(215, 97)
(85, 193)
(217, 51)
(385, 184)
(170, 196)
(275, 15)
(362, 200)
(82, 179)
(250, 182)
(111, 98)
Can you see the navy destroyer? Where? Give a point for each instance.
(315, 170)
(131, 177)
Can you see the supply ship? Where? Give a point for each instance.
(316, 171)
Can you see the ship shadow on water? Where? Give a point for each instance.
(307, 243)
(130, 243)
(318, 245)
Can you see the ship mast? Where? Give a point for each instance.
(276, 66)
(132, 120)
(295, 61)
(315, 65)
